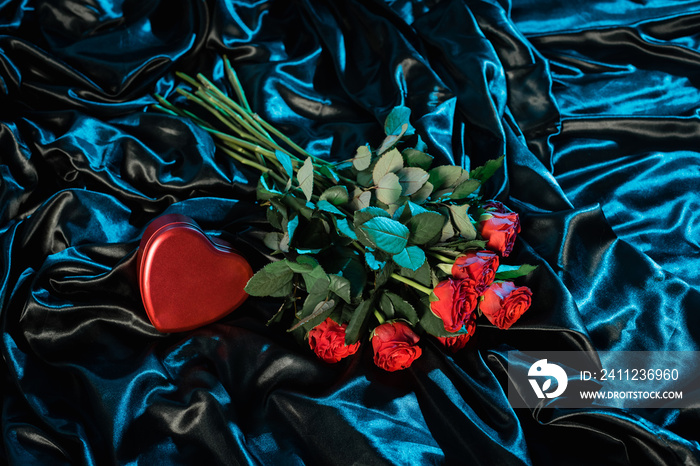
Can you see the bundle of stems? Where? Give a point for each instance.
(250, 139)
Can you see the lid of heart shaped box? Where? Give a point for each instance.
(186, 278)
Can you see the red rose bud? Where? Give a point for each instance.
(395, 346)
(327, 340)
(479, 266)
(453, 301)
(458, 342)
(499, 230)
(495, 206)
(503, 303)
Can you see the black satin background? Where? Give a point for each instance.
(594, 103)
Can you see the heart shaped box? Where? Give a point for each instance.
(186, 278)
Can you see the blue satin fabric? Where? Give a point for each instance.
(594, 104)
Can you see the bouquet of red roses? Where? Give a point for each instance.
(383, 246)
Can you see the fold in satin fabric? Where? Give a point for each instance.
(593, 103)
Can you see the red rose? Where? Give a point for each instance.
(479, 266)
(327, 340)
(499, 230)
(503, 303)
(458, 342)
(453, 301)
(395, 346)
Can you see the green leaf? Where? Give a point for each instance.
(364, 178)
(422, 275)
(264, 191)
(423, 193)
(399, 116)
(347, 263)
(361, 199)
(417, 158)
(359, 317)
(344, 227)
(285, 161)
(292, 227)
(272, 240)
(509, 272)
(448, 231)
(389, 189)
(372, 262)
(312, 300)
(328, 207)
(307, 260)
(461, 245)
(361, 216)
(402, 308)
(305, 175)
(279, 206)
(436, 327)
(390, 162)
(462, 221)
(433, 324)
(391, 209)
(275, 218)
(487, 170)
(284, 243)
(346, 313)
(316, 280)
(297, 204)
(329, 173)
(363, 158)
(381, 277)
(412, 258)
(275, 279)
(408, 210)
(386, 306)
(341, 286)
(336, 195)
(386, 234)
(412, 179)
(465, 189)
(445, 176)
(302, 267)
(390, 142)
(318, 315)
(425, 226)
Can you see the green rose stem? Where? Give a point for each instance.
(379, 317)
(442, 258)
(235, 83)
(410, 282)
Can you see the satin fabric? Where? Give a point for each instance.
(594, 104)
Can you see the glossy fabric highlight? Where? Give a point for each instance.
(593, 103)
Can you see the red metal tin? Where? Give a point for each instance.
(186, 278)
